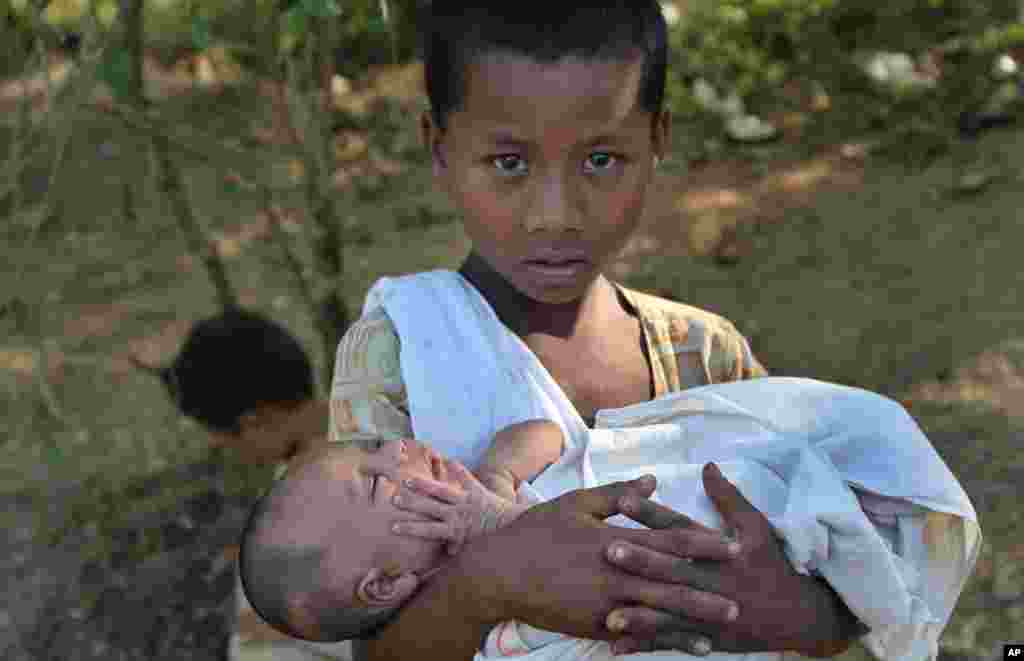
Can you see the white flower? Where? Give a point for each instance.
(670, 12)
(1005, 66)
(749, 129)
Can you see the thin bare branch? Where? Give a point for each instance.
(49, 398)
(19, 157)
(291, 260)
(172, 185)
(199, 146)
(307, 106)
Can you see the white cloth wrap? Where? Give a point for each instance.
(813, 456)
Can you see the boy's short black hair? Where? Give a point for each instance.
(458, 31)
(233, 362)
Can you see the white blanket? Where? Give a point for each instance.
(845, 476)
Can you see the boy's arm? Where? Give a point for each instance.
(368, 399)
(547, 569)
(730, 357)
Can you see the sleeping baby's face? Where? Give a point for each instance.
(367, 482)
(336, 509)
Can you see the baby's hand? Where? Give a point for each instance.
(459, 514)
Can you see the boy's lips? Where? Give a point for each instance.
(557, 257)
(557, 274)
(558, 267)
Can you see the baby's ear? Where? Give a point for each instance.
(380, 588)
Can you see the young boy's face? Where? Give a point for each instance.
(270, 433)
(548, 157)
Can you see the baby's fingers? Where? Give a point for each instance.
(424, 530)
(409, 501)
(464, 476)
(434, 489)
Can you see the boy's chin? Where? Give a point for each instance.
(536, 286)
(553, 294)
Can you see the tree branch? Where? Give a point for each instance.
(172, 185)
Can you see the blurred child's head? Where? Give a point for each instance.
(545, 123)
(319, 560)
(244, 377)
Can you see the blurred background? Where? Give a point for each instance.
(845, 184)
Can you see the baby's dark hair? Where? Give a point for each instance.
(273, 567)
(457, 32)
(233, 362)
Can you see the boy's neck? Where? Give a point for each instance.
(314, 416)
(525, 316)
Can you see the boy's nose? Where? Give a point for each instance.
(553, 208)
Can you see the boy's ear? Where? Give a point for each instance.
(383, 589)
(431, 136)
(255, 417)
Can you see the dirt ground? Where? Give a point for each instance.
(120, 523)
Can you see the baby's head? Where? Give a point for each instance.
(319, 560)
(546, 119)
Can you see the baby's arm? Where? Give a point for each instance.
(519, 452)
(487, 499)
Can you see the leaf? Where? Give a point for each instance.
(54, 455)
(116, 71)
(320, 8)
(201, 32)
(377, 25)
(295, 20)
(231, 186)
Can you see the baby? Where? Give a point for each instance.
(338, 571)
(844, 477)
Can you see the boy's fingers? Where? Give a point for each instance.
(687, 641)
(658, 553)
(604, 501)
(649, 630)
(727, 499)
(656, 516)
(653, 601)
(673, 563)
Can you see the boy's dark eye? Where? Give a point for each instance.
(602, 160)
(506, 163)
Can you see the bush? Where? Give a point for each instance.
(754, 46)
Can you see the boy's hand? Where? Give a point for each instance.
(459, 515)
(548, 568)
(779, 610)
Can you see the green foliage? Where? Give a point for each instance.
(319, 8)
(116, 71)
(201, 36)
(754, 46)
